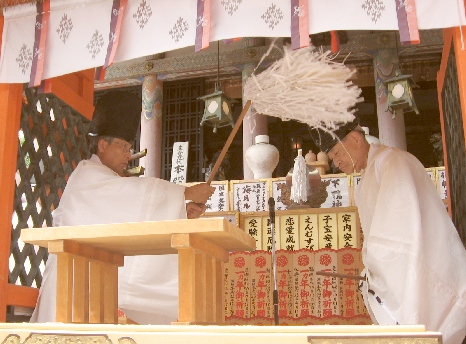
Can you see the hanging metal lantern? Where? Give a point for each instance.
(400, 94)
(218, 110)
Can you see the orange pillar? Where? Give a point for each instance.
(460, 54)
(452, 36)
(10, 114)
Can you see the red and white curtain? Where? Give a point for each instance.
(80, 34)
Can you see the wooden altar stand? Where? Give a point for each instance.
(88, 258)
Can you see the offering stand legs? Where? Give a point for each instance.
(200, 279)
(87, 283)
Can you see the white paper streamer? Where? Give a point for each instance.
(299, 181)
(307, 86)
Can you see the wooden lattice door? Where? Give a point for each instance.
(182, 114)
(51, 144)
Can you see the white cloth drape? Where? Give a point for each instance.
(78, 32)
(94, 194)
(77, 39)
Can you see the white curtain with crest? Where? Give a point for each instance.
(78, 30)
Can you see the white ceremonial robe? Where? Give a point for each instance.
(94, 194)
(415, 262)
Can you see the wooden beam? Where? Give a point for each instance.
(76, 90)
(20, 296)
(357, 52)
(91, 253)
(182, 240)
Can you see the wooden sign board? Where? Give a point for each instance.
(250, 195)
(179, 162)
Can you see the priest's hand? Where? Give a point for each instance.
(199, 193)
(195, 210)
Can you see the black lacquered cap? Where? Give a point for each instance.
(325, 141)
(117, 114)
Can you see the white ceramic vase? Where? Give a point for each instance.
(262, 157)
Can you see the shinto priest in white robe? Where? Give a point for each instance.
(415, 262)
(94, 194)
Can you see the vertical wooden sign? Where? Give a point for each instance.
(179, 162)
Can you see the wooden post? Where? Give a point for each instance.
(64, 287)
(254, 124)
(452, 38)
(199, 280)
(460, 54)
(219, 316)
(151, 126)
(80, 290)
(447, 34)
(95, 293)
(392, 131)
(110, 293)
(10, 114)
(87, 283)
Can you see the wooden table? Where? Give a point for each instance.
(88, 258)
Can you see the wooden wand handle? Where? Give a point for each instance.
(229, 141)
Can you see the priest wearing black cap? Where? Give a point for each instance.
(415, 262)
(97, 193)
